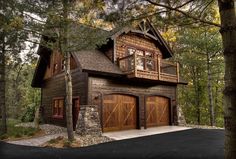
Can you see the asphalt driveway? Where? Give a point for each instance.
(193, 143)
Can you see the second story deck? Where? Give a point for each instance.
(147, 67)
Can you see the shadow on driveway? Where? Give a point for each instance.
(193, 143)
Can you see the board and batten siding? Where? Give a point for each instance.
(55, 87)
(56, 58)
(99, 86)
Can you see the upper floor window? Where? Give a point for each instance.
(58, 107)
(144, 59)
(63, 65)
(55, 68)
(131, 51)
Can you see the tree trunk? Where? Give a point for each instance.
(228, 31)
(210, 96)
(36, 118)
(68, 78)
(197, 94)
(3, 127)
(68, 81)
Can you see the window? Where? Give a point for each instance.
(55, 66)
(58, 107)
(145, 59)
(131, 51)
(150, 63)
(130, 61)
(63, 64)
(140, 59)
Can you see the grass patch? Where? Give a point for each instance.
(18, 132)
(61, 142)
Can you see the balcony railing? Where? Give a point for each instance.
(136, 66)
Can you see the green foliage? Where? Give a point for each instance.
(53, 141)
(67, 143)
(21, 98)
(190, 45)
(193, 46)
(17, 132)
(28, 115)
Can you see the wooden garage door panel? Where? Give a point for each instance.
(151, 111)
(119, 112)
(128, 112)
(163, 113)
(157, 111)
(110, 113)
(110, 116)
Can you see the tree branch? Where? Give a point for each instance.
(184, 13)
(184, 4)
(38, 20)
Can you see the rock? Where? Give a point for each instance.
(88, 121)
(181, 118)
(47, 128)
(87, 140)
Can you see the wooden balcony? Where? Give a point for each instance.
(136, 66)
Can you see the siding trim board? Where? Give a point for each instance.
(86, 87)
(145, 113)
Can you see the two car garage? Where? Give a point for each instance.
(121, 112)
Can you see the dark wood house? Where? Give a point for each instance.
(130, 79)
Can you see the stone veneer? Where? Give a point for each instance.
(181, 118)
(88, 121)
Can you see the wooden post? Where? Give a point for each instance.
(177, 71)
(118, 61)
(135, 63)
(159, 67)
(145, 111)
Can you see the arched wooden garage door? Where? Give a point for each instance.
(119, 112)
(157, 111)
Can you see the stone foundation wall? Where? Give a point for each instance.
(89, 121)
(181, 118)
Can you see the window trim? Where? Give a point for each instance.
(157, 53)
(63, 107)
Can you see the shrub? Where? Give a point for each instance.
(4, 136)
(17, 135)
(67, 143)
(28, 116)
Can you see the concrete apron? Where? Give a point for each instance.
(127, 134)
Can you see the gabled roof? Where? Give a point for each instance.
(96, 61)
(146, 29)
